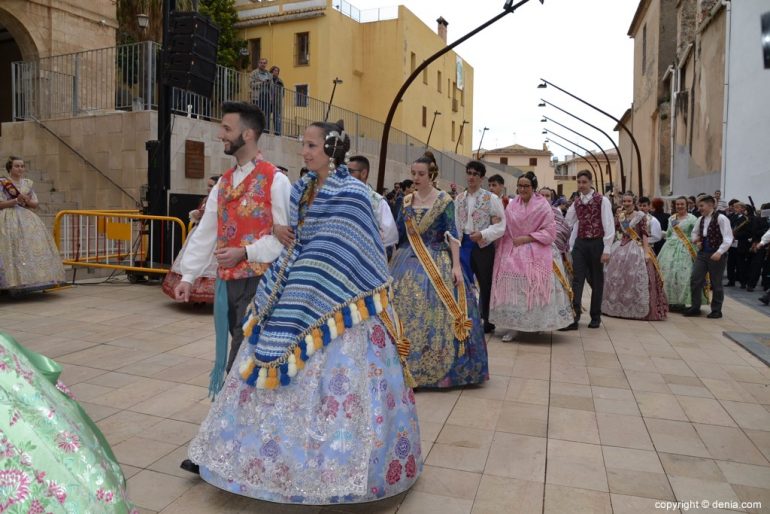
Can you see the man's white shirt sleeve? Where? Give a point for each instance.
(201, 243)
(608, 223)
(495, 231)
(387, 224)
(656, 232)
(267, 248)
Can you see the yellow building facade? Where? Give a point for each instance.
(314, 42)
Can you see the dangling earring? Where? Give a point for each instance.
(332, 164)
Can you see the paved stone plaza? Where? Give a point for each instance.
(609, 420)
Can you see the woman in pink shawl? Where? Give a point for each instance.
(527, 293)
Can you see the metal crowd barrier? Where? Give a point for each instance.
(118, 240)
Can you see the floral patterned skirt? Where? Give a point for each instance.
(203, 287)
(53, 459)
(343, 431)
(626, 283)
(434, 359)
(516, 315)
(28, 255)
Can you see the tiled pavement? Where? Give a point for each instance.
(608, 420)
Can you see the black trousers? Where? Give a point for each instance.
(587, 264)
(732, 265)
(482, 263)
(756, 262)
(716, 270)
(239, 293)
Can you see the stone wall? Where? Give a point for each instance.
(115, 144)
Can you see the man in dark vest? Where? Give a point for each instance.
(595, 221)
(713, 236)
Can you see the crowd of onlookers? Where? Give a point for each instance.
(267, 90)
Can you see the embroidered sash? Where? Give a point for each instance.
(563, 282)
(10, 188)
(693, 254)
(462, 325)
(635, 236)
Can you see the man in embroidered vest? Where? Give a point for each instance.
(474, 209)
(595, 233)
(237, 224)
(713, 236)
(358, 167)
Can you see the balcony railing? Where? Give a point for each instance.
(124, 78)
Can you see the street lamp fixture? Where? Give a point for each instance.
(606, 157)
(336, 81)
(620, 124)
(143, 21)
(541, 104)
(573, 152)
(508, 8)
(460, 136)
(612, 141)
(542, 85)
(544, 119)
(478, 153)
(435, 114)
(589, 152)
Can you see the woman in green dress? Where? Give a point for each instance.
(53, 459)
(677, 256)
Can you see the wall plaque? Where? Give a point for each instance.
(194, 159)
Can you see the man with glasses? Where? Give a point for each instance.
(475, 209)
(359, 169)
(592, 213)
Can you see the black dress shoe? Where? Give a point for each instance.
(714, 315)
(730, 284)
(595, 323)
(571, 326)
(489, 328)
(765, 299)
(190, 466)
(691, 313)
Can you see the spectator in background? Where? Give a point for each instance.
(755, 257)
(721, 204)
(359, 169)
(303, 171)
(497, 187)
(276, 100)
(654, 230)
(692, 206)
(260, 80)
(742, 239)
(659, 213)
(736, 217)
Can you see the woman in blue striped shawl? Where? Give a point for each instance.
(316, 409)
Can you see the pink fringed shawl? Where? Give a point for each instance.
(531, 262)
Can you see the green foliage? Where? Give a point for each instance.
(223, 14)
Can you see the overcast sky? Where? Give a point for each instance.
(580, 45)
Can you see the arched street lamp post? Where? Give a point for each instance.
(508, 8)
(546, 119)
(622, 125)
(589, 152)
(573, 152)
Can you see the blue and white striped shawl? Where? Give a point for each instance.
(338, 259)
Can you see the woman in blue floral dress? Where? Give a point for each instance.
(316, 409)
(432, 297)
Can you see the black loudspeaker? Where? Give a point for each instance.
(191, 53)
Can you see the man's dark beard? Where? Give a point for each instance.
(235, 145)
